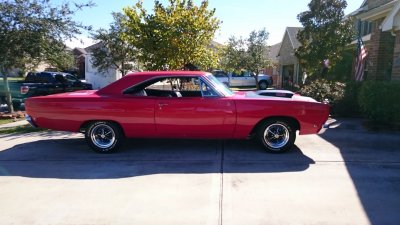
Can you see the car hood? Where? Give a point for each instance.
(282, 95)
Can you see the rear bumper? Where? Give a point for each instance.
(30, 121)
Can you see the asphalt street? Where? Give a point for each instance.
(346, 175)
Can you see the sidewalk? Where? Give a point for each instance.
(14, 124)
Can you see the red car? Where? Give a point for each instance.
(178, 104)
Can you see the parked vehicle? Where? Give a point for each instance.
(222, 76)
(244, 79)
(42, 83)
(177, 104)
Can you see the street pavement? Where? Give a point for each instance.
(346, 175)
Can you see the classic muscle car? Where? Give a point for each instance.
(178, 104)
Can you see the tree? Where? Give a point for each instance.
(31, 31)
(233, 55)
(113, 50)
(61, 58)
(250, 54)
(175, 35)
(257, 52)
(324, 37)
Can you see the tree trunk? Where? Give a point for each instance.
(257, 85)
(7, 91)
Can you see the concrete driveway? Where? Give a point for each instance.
(346, 175)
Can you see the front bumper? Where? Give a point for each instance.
(30, 121)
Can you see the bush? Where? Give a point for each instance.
(343, 97)
(380, 101)
(322, 89)
(348, 106)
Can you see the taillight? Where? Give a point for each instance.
(24, 89)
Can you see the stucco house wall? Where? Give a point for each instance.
(97, 78)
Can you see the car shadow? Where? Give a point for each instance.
(71, 158)
(372, 160)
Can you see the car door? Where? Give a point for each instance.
(137, 118)
(249, 79)
(73, 82)
(206, 116)
(236, 80)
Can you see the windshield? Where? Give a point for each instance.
(219, 86)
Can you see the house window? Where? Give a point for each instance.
(364, 27)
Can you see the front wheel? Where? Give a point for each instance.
(276, 136)
(103, 136)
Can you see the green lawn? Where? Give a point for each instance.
(20, 130)
(4, 121)
(15, 78)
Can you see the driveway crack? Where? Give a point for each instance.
(221, 182)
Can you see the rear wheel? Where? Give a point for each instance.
(276, 136)
(263, 85)
(104, 136)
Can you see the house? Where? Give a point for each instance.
(379, 25)
(94, 76)
(80, 55)
(273, 70)
(289, 67)
(101, 79)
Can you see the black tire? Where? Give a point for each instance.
(263, 85)
(276, 136)
(104, 136)
(16, 105)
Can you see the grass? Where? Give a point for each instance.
(15, 78)
(5, 121)
(20, 130)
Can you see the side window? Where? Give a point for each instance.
(219, 74)
(189, 84)
(235, 74)
(174, 87)
(162, 85)
(206, 90)
(59, 78)
(70, 78)
(247, 74)
(44, 78)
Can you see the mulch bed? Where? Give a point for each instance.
(15, 115)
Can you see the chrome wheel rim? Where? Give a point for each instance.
(276, 135)
(103, 136)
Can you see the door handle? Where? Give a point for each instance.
(160, 105)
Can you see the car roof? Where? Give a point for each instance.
(168, 73)
(54, 73)
(137, 77)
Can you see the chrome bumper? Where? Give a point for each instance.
(30, 121)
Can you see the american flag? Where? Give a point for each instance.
(360, 60)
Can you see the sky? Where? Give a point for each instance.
(239, 17)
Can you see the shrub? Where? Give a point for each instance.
(348, 106)
(343, 97)
(380, 101)
(322, 89)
